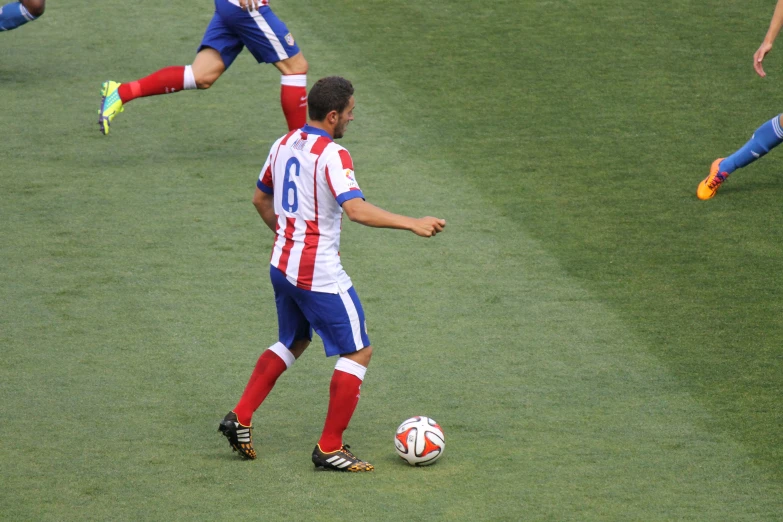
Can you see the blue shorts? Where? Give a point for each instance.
(337, 318)
(261, 31)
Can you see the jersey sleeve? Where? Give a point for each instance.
(341, 178)
(264, 182)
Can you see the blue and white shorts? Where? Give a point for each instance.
(337, 318)
(261, 31)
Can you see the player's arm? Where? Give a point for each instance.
(265, 205)
(359, 211)
(766, 46)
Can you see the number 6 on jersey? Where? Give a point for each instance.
(290, 196)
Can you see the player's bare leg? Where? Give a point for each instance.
(294, 65)
(293, 90)
(207, 68)
(331, 453)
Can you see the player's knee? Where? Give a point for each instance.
(205, 79)
(205, 82)
(302, 64)
(294, 65)
(35, 7)
(299, 346)
(363, 356)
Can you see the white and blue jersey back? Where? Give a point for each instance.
(261, 31)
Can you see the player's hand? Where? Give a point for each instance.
(762, 51)
(249, 5)
(428, 226)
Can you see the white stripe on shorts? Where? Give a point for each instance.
(353, 315)
(270, 34)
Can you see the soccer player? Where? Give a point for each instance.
(304, 187)
(766, 137)
(235, 24)
(19, 13)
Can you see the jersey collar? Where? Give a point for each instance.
(308, 129)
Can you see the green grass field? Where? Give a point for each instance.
(596, 343)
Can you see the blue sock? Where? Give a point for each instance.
(766, 138)
(13, 15)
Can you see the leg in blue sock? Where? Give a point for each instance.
(19, 13)
(766, 138)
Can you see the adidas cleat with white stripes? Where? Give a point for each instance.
(238, 435)
(339, 460)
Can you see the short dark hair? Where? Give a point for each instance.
(328, 94)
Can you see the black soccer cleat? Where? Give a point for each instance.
(238, 435)
(339, 460)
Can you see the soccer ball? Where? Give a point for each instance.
(420, 441)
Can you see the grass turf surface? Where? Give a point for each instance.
(596, 343)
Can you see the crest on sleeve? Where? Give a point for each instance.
(350, 180)
(289, 39)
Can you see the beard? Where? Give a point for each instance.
(339, 130)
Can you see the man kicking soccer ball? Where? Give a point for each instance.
(305, 186)
(236, 24)
(766, 137)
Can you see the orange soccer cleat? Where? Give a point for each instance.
(709, 186)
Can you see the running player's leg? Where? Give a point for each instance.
(218, 49)
(293, 90)
(20, 12)
(270, 41)
(766, 138)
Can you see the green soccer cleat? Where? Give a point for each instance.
(111, 105)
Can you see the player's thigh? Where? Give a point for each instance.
(292, 324)
(226, 44)
(338, 319)
(261, 31)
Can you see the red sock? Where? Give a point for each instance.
(343, 397)
(268, 368)
(293, 98)
(166, 80)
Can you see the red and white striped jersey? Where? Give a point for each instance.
(311, 177)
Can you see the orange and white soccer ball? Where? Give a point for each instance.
(419, 441)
